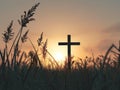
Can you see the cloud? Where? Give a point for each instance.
(100, 48)
(113, 29)
(104, 44)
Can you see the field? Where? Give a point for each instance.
(28, 71)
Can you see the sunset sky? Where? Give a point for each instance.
(93, 23)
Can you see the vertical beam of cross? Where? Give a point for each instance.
(69, 43)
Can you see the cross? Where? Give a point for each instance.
(69, 43)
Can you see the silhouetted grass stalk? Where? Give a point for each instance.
(36, 53)
(45, 50)
(14, 41)
(10, 55)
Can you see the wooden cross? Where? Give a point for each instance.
(69, 43)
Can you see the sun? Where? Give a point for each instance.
(59, 56)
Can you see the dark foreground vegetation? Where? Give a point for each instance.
(98, 77)
(34, 71)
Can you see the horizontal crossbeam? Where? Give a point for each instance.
(72, 43)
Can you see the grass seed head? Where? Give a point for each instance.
(28, 16)
(8, 34)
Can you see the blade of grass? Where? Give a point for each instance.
(35, 52)
(21, 57)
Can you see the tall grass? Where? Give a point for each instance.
(25, 71)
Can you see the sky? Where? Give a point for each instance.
(93, 23)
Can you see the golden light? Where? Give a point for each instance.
(59, 56)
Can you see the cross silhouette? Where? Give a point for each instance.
(69, 43)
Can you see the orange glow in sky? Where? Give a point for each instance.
(95, 24)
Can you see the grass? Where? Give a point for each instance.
(25, 71)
